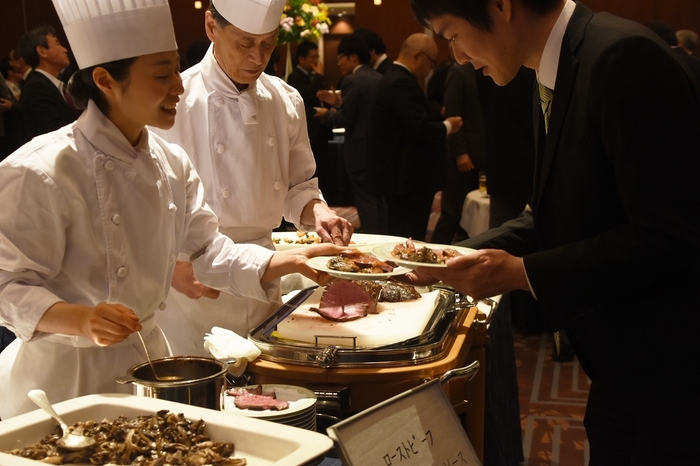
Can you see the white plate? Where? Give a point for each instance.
(260, 442)
(299, 399)
(356, 240)
(321, 263)
(384, 252)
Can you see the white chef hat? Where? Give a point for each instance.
(101, 31)
(252, 16)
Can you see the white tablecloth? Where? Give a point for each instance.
(475, 213)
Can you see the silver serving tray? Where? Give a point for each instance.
(428, 346)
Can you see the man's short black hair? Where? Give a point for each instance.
(304, 48)
(373, 40)
(473, 11)
(354, 45)
(26, 48)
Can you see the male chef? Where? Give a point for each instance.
(246, 134)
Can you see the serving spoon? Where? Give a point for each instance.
(167, 378)
(69, 441)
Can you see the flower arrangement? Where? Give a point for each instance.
(303, 20)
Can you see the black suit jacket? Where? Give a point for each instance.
(462, 99)
(385, 65)
(308, 84)
(43, 106)
(358, 91)
(406, 141)
(614, 219)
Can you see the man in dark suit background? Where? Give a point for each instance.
(307, 78)
(608, 228)
(43, 103)
(378, 58)
(465, 151)
(407, 140)
(352, 110)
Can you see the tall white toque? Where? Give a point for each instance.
(101, 31)
(252, 16)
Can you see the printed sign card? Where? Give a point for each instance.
(415, 428)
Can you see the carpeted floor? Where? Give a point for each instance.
(552, 404)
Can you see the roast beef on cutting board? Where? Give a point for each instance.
(347, 300)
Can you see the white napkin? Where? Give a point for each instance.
(228, 346)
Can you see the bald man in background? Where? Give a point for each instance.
(407, 140)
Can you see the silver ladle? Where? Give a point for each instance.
(69, 441)
(167, 378)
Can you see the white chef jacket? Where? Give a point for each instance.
(252, 152)
(87, 219)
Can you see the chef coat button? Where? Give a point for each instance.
(226, 194)
(172, 258)
(220, 148)
(172, 207)
(116, 219)
(270, 141)
(278, 185)
(162, 306)
(122, 271)
(109, 165)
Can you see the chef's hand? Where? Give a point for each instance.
(186, 283)
(105, 324)
(294, 261)
(329, 226)
(482, 274)
(108, 324)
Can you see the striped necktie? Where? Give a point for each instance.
(546, 102)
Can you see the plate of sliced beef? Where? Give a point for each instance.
(354, 264)
(412, 254)
(268, 400)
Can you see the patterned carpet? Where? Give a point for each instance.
(552, 404)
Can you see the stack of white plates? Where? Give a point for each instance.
(301, 412)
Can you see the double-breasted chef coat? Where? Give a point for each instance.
(88, 218)
(252, 152)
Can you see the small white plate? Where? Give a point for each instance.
(384, 252)
(299, 399)
(321, 263)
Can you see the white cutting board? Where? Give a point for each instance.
(394, 322)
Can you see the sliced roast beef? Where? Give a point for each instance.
(256, 399)
(345, 300)
(343, 313)
(392, 292)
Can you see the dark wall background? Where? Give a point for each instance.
(393, 20)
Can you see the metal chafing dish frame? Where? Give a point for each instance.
(429, 346)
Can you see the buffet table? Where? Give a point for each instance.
(349, 390)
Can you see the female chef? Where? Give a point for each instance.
(97, 213)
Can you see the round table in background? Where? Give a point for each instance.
(475, 213)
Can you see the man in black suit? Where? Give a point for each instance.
(352, 110)
(43, 102)
(465, 151)
(407, 140)
(609, 231)
(307, 78)
(378, 58)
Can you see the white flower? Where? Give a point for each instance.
(322, 28)
(305, 7)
